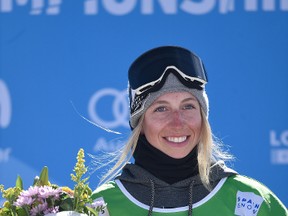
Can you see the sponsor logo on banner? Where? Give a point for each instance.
(105, 104)
(118, 109)
(116, 7)
(5, 105)
(279, 146)
(247, 203)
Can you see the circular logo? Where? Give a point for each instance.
(119, 108)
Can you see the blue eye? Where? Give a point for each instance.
(188, 107)
(160, 109)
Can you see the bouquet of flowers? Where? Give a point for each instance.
(44, 198)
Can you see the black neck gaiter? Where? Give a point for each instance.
(162, 166)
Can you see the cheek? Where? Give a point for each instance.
(197, 126)
(146, 130)
(150, 128)
(147, 127)
(197, 123)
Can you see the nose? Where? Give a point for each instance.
(176, 119)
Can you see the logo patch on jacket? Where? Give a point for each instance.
(247, 204)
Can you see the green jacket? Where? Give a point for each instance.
(234, 195)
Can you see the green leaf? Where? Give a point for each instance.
(22, 212)
(19, 182)
(36, 180)
(93, 211)
(43, 179)
(67, 204)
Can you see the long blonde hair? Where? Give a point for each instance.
(208, 151)
(125, 154)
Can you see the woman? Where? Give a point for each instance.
(178, 169)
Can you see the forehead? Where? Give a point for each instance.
(173, 96)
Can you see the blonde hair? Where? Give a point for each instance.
(208, 151)
(125, 154)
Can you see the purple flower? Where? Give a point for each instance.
(37, 195)
(97, 204)
(23, 200)
(38, 209)
(47, 191)
(51, 210)
(32, 191)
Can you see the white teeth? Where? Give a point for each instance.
(177, 139)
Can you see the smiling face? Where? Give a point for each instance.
(173, 123)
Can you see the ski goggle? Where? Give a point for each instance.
(149, 72)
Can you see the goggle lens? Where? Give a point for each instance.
(153, 66)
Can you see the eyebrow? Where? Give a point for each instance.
(190, 98)
(183, 101)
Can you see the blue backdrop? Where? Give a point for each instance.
(64, 60)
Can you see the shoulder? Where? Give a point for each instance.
(250, 190)
(247, 182)
(107, 188)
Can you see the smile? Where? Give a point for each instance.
(177, 139)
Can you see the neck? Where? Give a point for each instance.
(162, 166)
